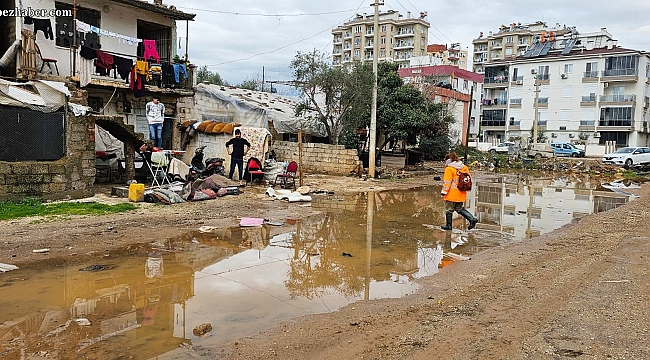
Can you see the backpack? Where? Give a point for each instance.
(464, 181)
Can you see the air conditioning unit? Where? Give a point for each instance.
(606, 85)
(563, 76)
(533, 71)
(596, 134)
(572, 136)
(519, 82)
(554, 135)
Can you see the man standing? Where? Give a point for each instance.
(155, 111)
(239, 148)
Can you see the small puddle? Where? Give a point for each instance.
(145, 303)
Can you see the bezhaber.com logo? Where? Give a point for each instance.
(41, 13)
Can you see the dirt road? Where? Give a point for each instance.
(582, 291)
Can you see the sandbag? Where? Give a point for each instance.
(208, 129)
(218, 129)
(228, 129)
(203, 125)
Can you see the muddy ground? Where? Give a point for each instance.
(582, 291)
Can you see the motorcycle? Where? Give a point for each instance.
(199, 169)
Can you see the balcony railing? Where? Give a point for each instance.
(589, 98)
(542, 100)
(515, 123)
(591, 74)
(515, 101)
(587, 123)
(621, 72)
(493, 123)
(618, 98)
(543, 76)
(499, 79)
(625, 123)
(518, 78)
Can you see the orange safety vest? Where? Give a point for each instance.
(450, 185)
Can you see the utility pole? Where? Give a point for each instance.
(262, 85)
(373, 114)
(469, 118)
(536, 106)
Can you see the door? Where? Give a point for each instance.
(618, 93)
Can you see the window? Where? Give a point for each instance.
(383, 28)
(591, 70)
(357, 41)
(383, 40)
(509, 39)
(357, 53)
(357, 29)
(568, 68)
(508, 51)
(65, 26)
(542, 70)
(382, 53)
(566, 91)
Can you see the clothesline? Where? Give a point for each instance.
(86, 28)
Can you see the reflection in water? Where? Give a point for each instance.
(145, 302)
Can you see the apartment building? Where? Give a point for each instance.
(449, 54)
(400, 38)
(452, 86)
(583, 87)
(510, 42)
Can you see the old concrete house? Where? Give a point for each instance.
(44, 39)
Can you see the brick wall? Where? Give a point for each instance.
(70, 177)
(319, 158)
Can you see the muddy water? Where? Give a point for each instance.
(145, 302)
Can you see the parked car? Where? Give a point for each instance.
(538, 151)
(629, 156)
(567, 149)
(503, 148)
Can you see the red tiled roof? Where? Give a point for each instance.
(449, 70)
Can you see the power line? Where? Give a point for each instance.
(284, 46)
(269, 15)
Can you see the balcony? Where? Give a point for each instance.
(616, 125)
(369, 45)
(620, 75)
(403, 45)
(517, 80)
(515, 103)
(369, 33)
(338, 40)
(542, 102)
(514, 125)
(543, 79)
(498, 81)
(498, 103)
(347, 35)
(587, 125)
(620, 99)
(588, 100)
(404, 33)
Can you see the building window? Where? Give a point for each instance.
(383, 40)
(382, 53)
(357, 53)
(508, 51)
(568, 68)
(565, 114)
(357, 41)
(566, 91)
(65, 26)
(383, 28)
(509, 40)
(357, 29)
(591, 70)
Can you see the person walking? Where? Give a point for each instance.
(155, 111)
(237, 149)
(455, 198)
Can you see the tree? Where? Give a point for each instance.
(203, 74)
(329, 92)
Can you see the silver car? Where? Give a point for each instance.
(630, 156)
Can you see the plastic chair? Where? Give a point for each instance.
(158, 163)
(253, 170)
(288, 176)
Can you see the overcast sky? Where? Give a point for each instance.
(238, 38)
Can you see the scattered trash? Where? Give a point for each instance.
(94, 268)
(40, 251)
(82, 321)
(110, 228)
(7, 267)
(436, 178)
(247, 222)
(346, 254)
(205, 229)
(194, 241)
(274, 223)
(202, 329)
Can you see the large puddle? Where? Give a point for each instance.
(146, 302)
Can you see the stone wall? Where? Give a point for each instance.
(70, 177)
(319, 158)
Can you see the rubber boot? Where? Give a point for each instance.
(467, 215)
(447, 226)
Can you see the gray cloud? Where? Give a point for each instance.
(230, 43)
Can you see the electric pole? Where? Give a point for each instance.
(469, 118)
(373, 112)
(536, 106)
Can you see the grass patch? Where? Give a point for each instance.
(35, 207)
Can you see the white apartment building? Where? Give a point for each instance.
(399, 38)
(588, 90)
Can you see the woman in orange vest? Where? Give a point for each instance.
(454, 198)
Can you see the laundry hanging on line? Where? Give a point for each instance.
(85, 28)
